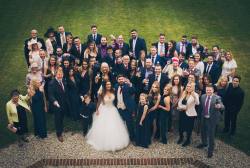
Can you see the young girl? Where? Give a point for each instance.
(142, 136)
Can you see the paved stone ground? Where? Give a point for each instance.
(75, 147)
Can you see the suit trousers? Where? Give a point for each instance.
(230, 120)
(208, 133)
(127, 117)
(59, 116)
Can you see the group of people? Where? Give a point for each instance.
(122, 92)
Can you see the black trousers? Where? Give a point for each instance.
(186, 124)
(86, 124)
(127, 117)
(230, 120)
(58, 118)
(164, 119)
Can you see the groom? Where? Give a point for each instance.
(124, 92)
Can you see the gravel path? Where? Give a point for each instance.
(75, 147)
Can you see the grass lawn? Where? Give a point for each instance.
(215, 22)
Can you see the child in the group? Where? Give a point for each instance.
(142, 127)
(87, 110)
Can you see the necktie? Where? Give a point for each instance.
(120, 46)
(208, 68)
(42, 66)
(182, 49)
(156, 77)
(153, 60)
(78, 50)
(63, 39)
(161, 49)
(61, 84)
(207, 106)
(120, 89)
(94, 37)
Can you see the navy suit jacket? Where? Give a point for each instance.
(58, 39)
(162, 60)
(178, 46)
(97, 39)
(140, 45)
(189, 52)
(75, 53)
(214, 72)
(163, 81)
(125, 48)
(128, 97)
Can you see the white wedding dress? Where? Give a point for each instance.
(108, 131)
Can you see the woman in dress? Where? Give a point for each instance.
(50, 43)
(108, 131)
(198, 63)
(229, 66)
(154, 98)
(164, 110)
(142, 136)
(38, 108)
(91, 51)
(69, 43)
(73, 94)
(176, 93)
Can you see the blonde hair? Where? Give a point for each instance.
(157, 84)
(220, 80)
(169, 87)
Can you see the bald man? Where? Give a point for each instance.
(33, 37)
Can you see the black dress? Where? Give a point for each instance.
(39, 118)
(22, 124)
(164, 117)
(142, 131)
(74, 98)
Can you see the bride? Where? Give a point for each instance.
(108, 131)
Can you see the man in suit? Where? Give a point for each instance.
(156, 59)
(34, 38)
(124, 47)
(103, 47)
(212, 69)
(61, 36)
(94, 36)
(145, 72)
(160, 77)
(124, 92)
(77, 50)
(194, 47)
(181, 46)
(234, 99)
(182, 62)
(211, 105)
(59, 99)
(161, 46)
(136, 44)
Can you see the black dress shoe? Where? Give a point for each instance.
(201, 146)
(209, 155)
(186, 143)
(179, 140)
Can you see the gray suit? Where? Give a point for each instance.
(208, 124)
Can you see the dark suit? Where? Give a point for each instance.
(165, 47)
(189, 51)
(158, 59)
(208, 123)
(163, 81)
(140, 45)
(78, 55)
(57, 93)
(26, 49)
(128, 99)
(58, 38)
(214, 72)
(97, 38)
(124, 48)
(178, 46)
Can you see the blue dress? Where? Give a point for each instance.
(142, 131)
(37, 108)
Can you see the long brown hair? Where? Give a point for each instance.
(179, 85)
(104, 90)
